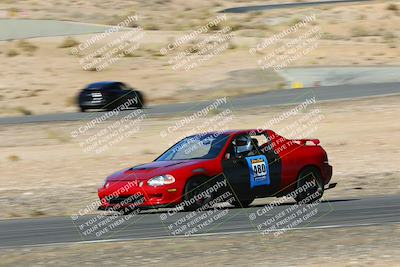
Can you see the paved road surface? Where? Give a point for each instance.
(249, 101)
(245, 9)
(14, 29)
(333, 213)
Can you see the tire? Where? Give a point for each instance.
(140, 103)
(312, 193)
(192, 188)
(244, 203)
(109, 108)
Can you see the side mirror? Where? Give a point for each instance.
(227, 156)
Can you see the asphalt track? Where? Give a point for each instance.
(15, 29)
(331, 214)
(246, 9)
(272, 98)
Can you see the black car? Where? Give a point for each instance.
(108, 96)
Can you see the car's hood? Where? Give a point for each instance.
(152, 169)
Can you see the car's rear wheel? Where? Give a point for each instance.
(140, 99)
(310, 186)
(195, 195)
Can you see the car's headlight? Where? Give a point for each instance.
(161, 180)
(102, 184)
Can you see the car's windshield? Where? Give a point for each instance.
(201, 146)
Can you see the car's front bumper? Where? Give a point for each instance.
(122, 194)
(93, 104)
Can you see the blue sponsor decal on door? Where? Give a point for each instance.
(259, 170)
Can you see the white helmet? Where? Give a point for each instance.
(243, 144)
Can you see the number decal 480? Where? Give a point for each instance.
(259, 171)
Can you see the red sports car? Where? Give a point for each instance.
(247, 163)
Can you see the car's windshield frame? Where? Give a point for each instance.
(222, 136)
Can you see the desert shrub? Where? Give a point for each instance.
(294, 21)
(14, 158)
(70, 101)
(12, 53)
(392, 7)
(362, 17)
(151, 27)
(388, 36)
(359, 32)
(68, 42)
(24, 111)
(27, 46)
(232, 46)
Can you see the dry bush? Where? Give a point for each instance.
(12, 53)
(70, 101)
(151, 27)
(14, 158)
(232, 46)
(68, 42)
(37, 213)
(24, 111)
(90, 69)
(55, 135)
(27, 46)
(388, 36)
(360, 31)
(392, 7)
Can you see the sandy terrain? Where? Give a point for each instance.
(41, 77)
(45, 171)
(360, 246)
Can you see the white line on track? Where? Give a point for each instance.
(195, 235)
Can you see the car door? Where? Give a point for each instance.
(275, 170)
(237, 175)
(130, 96)
(257, 174)
(121, 94)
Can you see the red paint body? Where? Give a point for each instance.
(295, 155)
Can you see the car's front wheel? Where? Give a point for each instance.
(139, 99)
(310, 186)
(195, 194)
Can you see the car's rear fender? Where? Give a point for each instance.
(323, 171)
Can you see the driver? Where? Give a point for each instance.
(245, 146)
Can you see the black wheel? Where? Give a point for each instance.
(310, 186)
(109, 108)
(113, 104)
(134, 105)
(140, 99)
(241, 203)
(194, 196)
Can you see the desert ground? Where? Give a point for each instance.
(46, 171)
(42, 75)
